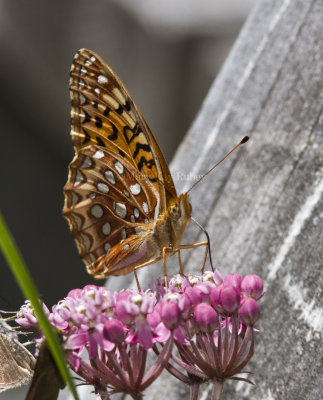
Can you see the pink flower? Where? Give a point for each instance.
(26, 316)
(201, 315)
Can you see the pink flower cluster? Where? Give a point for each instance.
(209, 319)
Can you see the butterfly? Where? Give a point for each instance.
(120, 200)
(16, 362)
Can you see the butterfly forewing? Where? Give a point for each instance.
(103, 113)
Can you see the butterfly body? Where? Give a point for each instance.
(120, 199)
(100, 200)
(147, 245)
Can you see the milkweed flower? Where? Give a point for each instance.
(209, 319)
(219, 330)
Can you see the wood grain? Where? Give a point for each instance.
(263, 207)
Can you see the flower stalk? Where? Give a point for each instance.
(217, 389)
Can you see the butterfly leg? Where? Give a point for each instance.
(191, 246)
(205, 257)
(165, 249)
(141, 266)
(137, 280)
(180, 262)
(163, 257)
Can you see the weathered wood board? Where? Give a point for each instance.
(263, 208)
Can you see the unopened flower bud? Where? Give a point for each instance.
(113, 331)
(225, 298)
(215, 296)
(252, 286)
(203, 289)
(170, 314)
(192, 295)
(185, 305)
(229, 298)
(249, 311)
(74, 293)
(206, 317)
(233, 280)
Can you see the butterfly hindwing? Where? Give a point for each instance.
(106, 202)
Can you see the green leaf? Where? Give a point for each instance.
(27, 286)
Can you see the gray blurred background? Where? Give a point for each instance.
(167, 54)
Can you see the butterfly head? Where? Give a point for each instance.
(179, 213)
(180, 208)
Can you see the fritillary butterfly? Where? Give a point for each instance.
(120, 198)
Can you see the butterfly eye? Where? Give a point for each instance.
(175, 211)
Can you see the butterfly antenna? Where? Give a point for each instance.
(12, 318)
(8, 312)
(244, 140)
(208, 240)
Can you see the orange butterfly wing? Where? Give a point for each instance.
(104, 113)
(119, 182)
